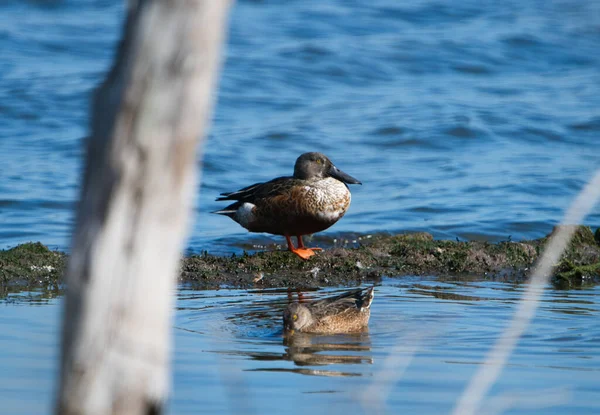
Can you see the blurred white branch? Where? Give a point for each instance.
(471, 399)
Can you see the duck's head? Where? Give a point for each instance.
(317, 165)
(295, 317)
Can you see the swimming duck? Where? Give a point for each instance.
(310, 201)
(345, 313)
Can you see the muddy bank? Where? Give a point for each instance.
(33, 265)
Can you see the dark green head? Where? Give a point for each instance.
(317, 165)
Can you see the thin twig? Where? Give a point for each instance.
(488, 372)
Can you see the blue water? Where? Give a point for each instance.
(472, 119)
(426, 339)
(475, 119)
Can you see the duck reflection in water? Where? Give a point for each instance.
(306, 349)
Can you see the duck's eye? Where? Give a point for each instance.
(319, 161)
(295, 317)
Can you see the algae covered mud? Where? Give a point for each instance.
(33, 265)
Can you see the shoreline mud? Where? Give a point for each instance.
(33, 266)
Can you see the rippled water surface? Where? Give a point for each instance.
(426, 339)
(475, 119)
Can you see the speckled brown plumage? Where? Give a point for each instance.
(310, 201)
(345, 313)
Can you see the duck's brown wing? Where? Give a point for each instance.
(358, 299)
(257, 191)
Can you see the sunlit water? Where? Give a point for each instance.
(474, 119)
(426, 338)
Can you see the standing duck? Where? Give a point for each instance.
(310, 201)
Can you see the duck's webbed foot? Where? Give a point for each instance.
(302, 251)
(305, 253)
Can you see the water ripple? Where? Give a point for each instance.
(476, 119)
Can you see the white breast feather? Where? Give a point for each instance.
(332, 189)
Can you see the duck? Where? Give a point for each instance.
(348, 312)
(310, 201)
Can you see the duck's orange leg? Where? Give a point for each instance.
(301, 244)
(301, 251)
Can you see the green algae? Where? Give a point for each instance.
(33, 265)
(581, 263)
(569, 275)
(30, 265)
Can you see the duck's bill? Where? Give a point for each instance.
(342, 177)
